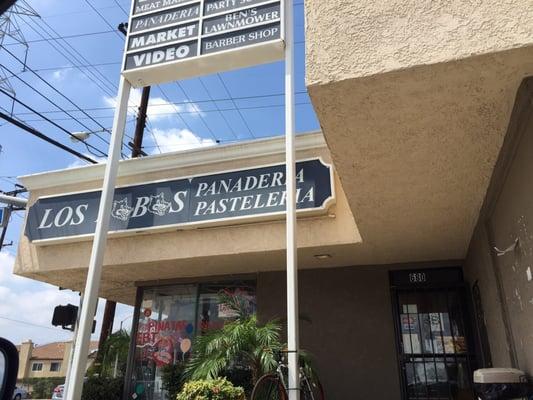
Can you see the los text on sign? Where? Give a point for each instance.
(222, 198)
(201, 36)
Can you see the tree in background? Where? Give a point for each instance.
(114, 357)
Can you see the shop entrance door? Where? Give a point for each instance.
(432, 335)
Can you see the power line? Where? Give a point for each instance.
(48, 139)
(65, 37)
(56, 46)
(218, 109)
(183, 103)
(30, 323)
(103, 18)
(122, 8)
(62, 67)
(88, 145)
(178, 112)
(97, 72)
(264, 107)
(62, 95)
(235, 105)
(55, 104)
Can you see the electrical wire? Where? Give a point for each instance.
(57, 106)
(104, 19)
(30, 324)
(235, 105)
(56, 46)
(196, 110)
(64, 37)
(78, 108)
(302, 103)
(183, 103)
(81, 56)
(218, 109)
(178, 112)
(88, 145)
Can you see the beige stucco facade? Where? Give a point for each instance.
(207, 251)
(425, 109)
(414, 98)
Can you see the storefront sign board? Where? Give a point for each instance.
(170, 40)
(218, 199)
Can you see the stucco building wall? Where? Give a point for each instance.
(347, 39)
(507, 216)
(350, 331)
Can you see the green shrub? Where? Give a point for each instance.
(98, 388)
(42, 388)
(172, 379)
(211, 389)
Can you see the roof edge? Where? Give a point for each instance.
(160, 162)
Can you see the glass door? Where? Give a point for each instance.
(434, 357)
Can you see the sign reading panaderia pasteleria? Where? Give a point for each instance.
(176, 39)
(224, 198)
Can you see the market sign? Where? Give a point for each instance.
(170, 40)
(4, 216)
(224, 198)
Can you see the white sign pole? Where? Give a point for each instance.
(292, 248)
(92, 286)
(72, 347)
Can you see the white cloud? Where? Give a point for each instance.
(158, 108)
(26, 308)
(179, 139)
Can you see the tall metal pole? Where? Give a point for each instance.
(94, 273)
(72, 347)
(292, 249)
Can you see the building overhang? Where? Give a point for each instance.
(414, 100)
(140, 256)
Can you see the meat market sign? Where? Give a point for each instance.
(224, 198)
(176, 39)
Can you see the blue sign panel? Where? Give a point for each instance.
(258, 192)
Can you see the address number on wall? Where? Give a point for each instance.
(417, 277)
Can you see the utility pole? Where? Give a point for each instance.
(110, 306)
(15, 204)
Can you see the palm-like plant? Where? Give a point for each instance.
(241, 343)
(115, 354)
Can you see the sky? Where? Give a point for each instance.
(74, 50)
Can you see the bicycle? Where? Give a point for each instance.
(273, 387)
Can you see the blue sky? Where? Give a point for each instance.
(226, 107)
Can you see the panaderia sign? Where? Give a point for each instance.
(222, 198)
(176, 39)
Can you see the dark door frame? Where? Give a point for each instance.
(466, 311)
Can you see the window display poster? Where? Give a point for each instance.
(164, 342)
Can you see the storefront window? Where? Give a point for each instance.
(169, 319)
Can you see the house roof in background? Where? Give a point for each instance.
(56, 350)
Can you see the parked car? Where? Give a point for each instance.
(20, 394)
(58, 392)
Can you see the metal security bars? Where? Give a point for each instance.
(433, 337)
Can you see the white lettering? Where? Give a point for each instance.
(79, 214)
(179, 198)
(67, 218)
(43, 224)
(140, 207)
